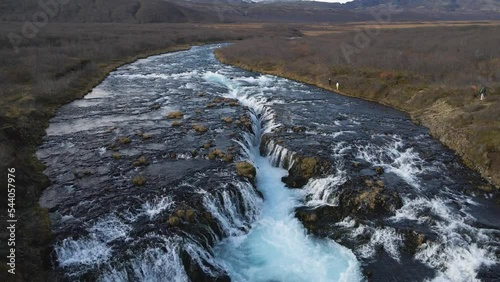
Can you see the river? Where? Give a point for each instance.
(382, 201)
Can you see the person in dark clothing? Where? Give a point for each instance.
(330, 81)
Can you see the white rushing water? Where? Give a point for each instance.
(277, 248)
(261, 240)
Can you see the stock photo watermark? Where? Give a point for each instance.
(48, 9)
(11, 220)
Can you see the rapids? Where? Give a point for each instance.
(196, 219)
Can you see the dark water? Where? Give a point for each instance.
(109, 229)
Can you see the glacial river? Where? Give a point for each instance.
(136, 196)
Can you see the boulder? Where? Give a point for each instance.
(303, 169)
(246, 169)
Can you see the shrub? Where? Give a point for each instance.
(246, 169)
(139, 180)
(124, 140)
(142, 161)
(199, 128)
(175, 115)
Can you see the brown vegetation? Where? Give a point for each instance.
(246, 169)
(427, 72)
(175, 115)
(139, 180)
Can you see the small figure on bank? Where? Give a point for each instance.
(337, 85)
(330, 81)
(483, 92)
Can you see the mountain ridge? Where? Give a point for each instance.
(204, 11)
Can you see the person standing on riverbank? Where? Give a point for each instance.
(337, 85)
(483, 93)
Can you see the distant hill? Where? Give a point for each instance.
(429, 6)
(179, 11)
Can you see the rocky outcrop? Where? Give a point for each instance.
(303, 169)
(246, 169)
(357, 200)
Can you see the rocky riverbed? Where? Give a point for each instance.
(158, 175)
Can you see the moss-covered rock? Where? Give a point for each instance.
(175, 115)
(228, 158)
(190, 215)
(199, 128)
(124, 140)
(207, 145)
(303, 169)
(379, 170)
(216, 154)
(227, 119)
(177, 123)
(246, 169)
(141, 161)
(139, 180)
(174, 221)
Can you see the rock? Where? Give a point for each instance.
(199, 128)
(124, 140)
(303, 169)
(216, 153)
(142, 161)
(298, 129)
(155, 107)
(139, 180)
(368, 202)
(146, 136)
(177, 123)
(180, 213)
(413, 240)
(227, 119)
(246, 169)
(173, 221)
(117, 156)
(190, 215)
(379, 170)
(196, 273)
(228, 158)
(245, 120)
(380, 183)
(175, 115)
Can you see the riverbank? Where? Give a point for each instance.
(434, 94)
